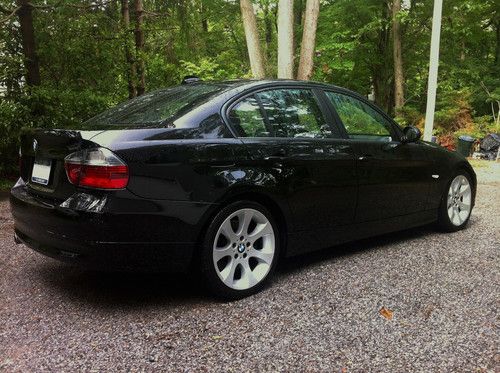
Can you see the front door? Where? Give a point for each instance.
(394, 178)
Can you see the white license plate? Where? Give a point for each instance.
(41, 171)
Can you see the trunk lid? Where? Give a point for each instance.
(48, 148)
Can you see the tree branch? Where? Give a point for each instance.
(45, 6)
(12, 14)
(89, 6)
(4, 10)
(485, 88)
(155, 14)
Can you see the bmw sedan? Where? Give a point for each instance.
(225, 178)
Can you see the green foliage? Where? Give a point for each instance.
(209, 69)
(12, 117)
(481, 127)
(6, 184)
(410, 116)
(43, 108)
(453, 110)
(51, 108)
(81, 45)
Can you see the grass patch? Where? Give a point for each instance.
(6, 184)
(479, 163)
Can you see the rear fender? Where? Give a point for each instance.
(278, 206)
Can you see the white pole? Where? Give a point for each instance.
(285, 39)
(433, 70)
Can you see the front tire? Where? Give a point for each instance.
(456, 203)
(240, 250)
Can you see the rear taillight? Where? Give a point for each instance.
(96, 168)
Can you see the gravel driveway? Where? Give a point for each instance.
(322, 312)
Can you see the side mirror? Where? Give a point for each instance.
(411, 134)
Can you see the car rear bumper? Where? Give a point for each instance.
(127, 233)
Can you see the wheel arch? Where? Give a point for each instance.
(460, 166)
(465, 166)
(277, 209)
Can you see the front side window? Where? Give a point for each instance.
(360, 120)
(291, 113)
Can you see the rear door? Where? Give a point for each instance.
(394, 178)
(288, 131)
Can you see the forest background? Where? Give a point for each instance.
(63, 61)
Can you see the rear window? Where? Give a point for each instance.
(160, 107)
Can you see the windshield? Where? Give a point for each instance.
(161, 107)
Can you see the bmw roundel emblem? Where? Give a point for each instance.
(35, 145)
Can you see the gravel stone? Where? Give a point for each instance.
(321, 313)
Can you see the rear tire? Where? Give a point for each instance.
(240, 250)
(456, 203)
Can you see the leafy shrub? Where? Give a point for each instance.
(43, 108)
(454, 111)
(13, 116)
(210, 69)
(410, 116)
(481, 127)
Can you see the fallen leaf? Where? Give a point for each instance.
(428, 311)
(387, 313)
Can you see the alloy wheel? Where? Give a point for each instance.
(459, 200)
(244, 248)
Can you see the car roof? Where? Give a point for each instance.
(261, 82)
(240, 85)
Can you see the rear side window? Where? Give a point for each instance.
(360, 120)
(291, 113)
(160, 107)
(246, 116)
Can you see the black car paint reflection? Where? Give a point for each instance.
(322, 190)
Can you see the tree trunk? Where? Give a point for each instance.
(204, 20)
(111, 10)
(308, 40)
(462, 51)
(252, 38)
(31, 63)
(268, 22)
(285, 39)
(399, 99)
(170, 54)
(139, 46)
(380, 62)
(298, 12)
(497, 50)
(131, 68)
(183, 17)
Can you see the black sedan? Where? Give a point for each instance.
(225, 178)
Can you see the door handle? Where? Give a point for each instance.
(390, 146)
(365, 157)
(279, 155)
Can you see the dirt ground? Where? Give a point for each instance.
(321, 313)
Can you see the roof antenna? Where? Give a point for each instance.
(190, 79)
